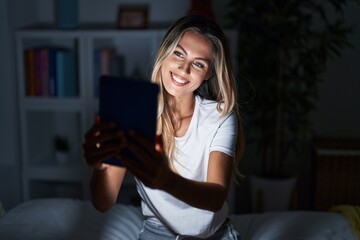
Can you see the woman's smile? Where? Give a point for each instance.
(178, 80)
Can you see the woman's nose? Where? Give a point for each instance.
(184, 66)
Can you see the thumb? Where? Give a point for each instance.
(159, 146)
(97, 119)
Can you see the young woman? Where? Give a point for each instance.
(184, 180)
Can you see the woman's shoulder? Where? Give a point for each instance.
(206, 103)
(211, 107)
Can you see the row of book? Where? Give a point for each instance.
(51, 72)
(107, 62)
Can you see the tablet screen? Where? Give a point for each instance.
(131, 104)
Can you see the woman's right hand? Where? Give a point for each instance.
(102, 141)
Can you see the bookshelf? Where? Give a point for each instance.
(45, 116)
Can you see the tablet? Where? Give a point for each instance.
(131, 104)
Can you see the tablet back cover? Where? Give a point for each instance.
(131, 104)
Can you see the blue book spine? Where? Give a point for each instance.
(52, 72)
(66, 74)
(70, 75)
(60, 73)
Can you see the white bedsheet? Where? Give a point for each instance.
(46, 219)
(294, 225)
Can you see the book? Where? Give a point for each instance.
(52, 72)
(70, 82)
(66, 74)
(105, 56)
(44, 72)
(117, 66)
(102, 65)
(30, 84)
(38, 70)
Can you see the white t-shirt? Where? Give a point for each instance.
(207, 132)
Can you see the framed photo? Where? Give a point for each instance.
(132, 17)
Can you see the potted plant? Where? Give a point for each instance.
(61, 149)
(284, 46)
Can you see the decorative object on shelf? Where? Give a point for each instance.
(132, 17)
(284, 47)
(202, 7)
(61, 150)
(66, 12)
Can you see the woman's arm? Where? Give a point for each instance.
(102, 141)
(105, 186)
(154, 172)
(209, 195)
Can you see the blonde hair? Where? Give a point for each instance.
(221, 86)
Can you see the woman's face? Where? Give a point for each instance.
(188, 65)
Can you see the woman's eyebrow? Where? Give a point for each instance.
(199, 58)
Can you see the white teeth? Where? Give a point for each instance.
(178, 80)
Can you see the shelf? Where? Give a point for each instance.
(56, 173)
(46, 189)
(42, 126)
(45, 116)
(52, 104)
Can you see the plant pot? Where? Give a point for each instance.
(62, 158)
(271, 194)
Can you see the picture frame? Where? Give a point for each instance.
(132, 17)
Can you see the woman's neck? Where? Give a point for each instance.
(184, 106)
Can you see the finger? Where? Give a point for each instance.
(101, 153)
(139, 152)
(99, 147)
(97, 129)
(136, 168)
(94, 150)
(146, 143)
(104, 138)
(97, 119)
(93, 159)
(94, 128)
(159, 143)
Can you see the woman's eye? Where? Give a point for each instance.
(179, 54)
(199, 65)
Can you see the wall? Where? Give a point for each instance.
(10, 193)
(92, 11)
(338, 112)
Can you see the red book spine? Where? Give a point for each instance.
(30, 84)
(37, 63)
(45, 79)
(105, 56)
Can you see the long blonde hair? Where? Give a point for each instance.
(221, 86)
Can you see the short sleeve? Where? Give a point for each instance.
(225, 137)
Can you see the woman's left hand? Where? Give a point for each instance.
(153, 168)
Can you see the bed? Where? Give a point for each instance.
(64, 218)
